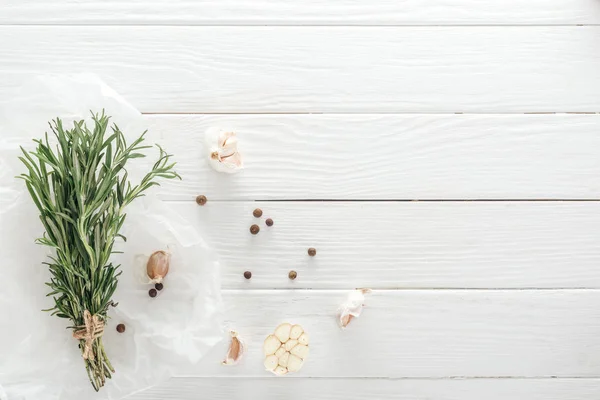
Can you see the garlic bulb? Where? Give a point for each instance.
(236, 350)
(286, 349)
(157, 266)
(352, 307)
(223, 153)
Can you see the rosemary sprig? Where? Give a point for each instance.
(81, 190)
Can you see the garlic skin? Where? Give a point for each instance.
(236, 350)
(286, 349)
(157, 266)
(352, 307)
(223, 153)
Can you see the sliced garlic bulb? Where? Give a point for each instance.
(286, 349)
(223, 153)
(352, 307)
(236, 350)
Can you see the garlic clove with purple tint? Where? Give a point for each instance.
(352, 307)
(236, 350)
(223, 154)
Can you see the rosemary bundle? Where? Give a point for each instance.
(81, 189)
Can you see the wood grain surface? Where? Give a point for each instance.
(374, 157)
(376, 388)
(444, 153)
(404, 244)
(421, 333)
(321, 69)
(307, 12)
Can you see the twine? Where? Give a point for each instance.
(92, 329)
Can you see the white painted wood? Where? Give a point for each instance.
(307, 12)
(389, 156)
(321, 69)
(404, 244)
(422, 334)
(380, 389)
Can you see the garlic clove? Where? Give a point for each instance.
(223, 153)
(236, 350)
(290, 344)
(157, 266)
(283, 332)
(280, 351)
(303, 339)
(300, 351)
(279, 370)
(296, 331)
(352, 307)
(271, 362)
(283, 360)
(294, 363)
(271, 345)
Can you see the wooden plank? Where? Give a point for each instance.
(381, 389)
(423, 334)
(293, 69)
(404, 244)
(389, 156)
(308, 12)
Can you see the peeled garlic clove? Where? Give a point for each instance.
(300, 351)
(296, 331)
(303, 339)
(271, 345)
(294, 363)
(236, 350)
(271, 362)
(283, 332)
(157, 266)
(290, 344)
(280, 352)
(352, 307)
(223, 153)
(283, 360)
(280, 370)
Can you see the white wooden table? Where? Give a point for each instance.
(444, 153)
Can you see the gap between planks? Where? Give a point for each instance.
(390, 200)
(298, 25)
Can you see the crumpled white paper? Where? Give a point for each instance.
(39, 359)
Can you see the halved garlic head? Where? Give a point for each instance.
(352, 307)
(286, 349)
(223, 153)
(236, 350)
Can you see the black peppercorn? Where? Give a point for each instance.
(254, 229)
(269, 222)
(247, 274)
(257, 213)
(292, 275)
(152, 292)
(201, 200)
(121, 328)
(312, 252)
(159, 286)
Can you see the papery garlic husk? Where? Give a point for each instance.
(352, 307)
(236, 350)
(286, 349)
(223, 154)
(157, 266)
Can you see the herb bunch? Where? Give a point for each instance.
(81, 189)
